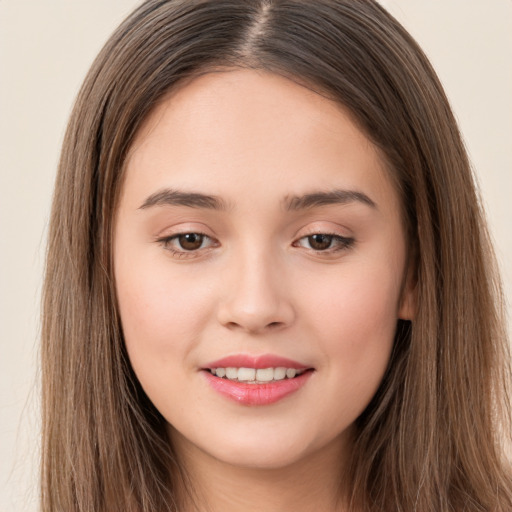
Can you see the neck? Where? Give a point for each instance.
(311, 484)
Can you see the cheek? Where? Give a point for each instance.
(355, 318)
(162, 320)
(362, 302)
(162, 313)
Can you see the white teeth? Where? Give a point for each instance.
(254, 376)
(232, 373)
(279, 373)
(290, 373)
(264, 375)
(245, 374)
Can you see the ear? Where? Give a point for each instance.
(409, 295)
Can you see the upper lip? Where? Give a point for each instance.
(258, 362)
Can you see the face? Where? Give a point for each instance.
(259, 261)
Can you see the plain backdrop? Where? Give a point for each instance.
(46, 47)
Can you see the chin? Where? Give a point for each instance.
(262, 456)
(264, 447)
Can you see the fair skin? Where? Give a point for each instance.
(298, 252)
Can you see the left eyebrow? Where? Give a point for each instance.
(170, 197)
(316, 199)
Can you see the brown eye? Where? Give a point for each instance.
(190, 241)
(187, 245)
(320, 242)
(325, 242)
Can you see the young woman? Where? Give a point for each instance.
(269, 285)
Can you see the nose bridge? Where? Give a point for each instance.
(256, 298)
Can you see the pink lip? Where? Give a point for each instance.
(258, 362)
(256, 394)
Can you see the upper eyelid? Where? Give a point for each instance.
(181, 253)
(173, 236)
(187, 232)
(304, 233)
(345, 239)
(318, 227)
(172, 231)
(322, 232)
(214, 242)
(333, 233)
(323, 226)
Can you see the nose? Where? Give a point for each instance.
(256, 296)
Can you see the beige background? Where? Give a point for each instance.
(46, 47)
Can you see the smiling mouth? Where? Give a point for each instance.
(257, 375)
(256, 381)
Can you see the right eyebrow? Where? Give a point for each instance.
(318, 199)
(173, 197)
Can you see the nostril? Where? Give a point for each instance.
(269, 326)
(246, 313)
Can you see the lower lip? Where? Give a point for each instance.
(257, 394)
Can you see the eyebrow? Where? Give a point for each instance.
(316, 199)
(170, 197)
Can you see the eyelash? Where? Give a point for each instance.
(342, 244)
(184, 253)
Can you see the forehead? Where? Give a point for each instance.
(257, 129)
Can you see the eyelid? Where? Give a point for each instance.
(324, 228)
(168, 235)
(323, 223)
(181, 228)
(345, 241)
(339, 241)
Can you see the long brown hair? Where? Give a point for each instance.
(432, 439)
